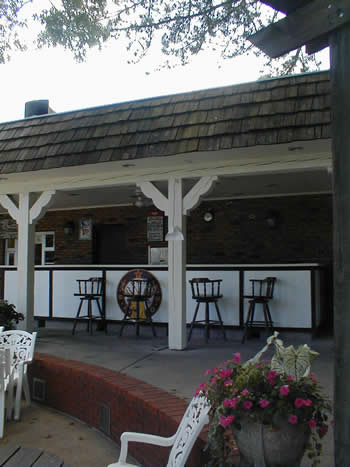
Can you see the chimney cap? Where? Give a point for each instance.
(37, 107)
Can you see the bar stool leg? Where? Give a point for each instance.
(137, 318)
(249, 320)
(269, 319)
(103, 317)
(149, 318)
(193, 321)
(220, 320)
(207, 323)
(126, 316)
(89, 316)
(77, 316)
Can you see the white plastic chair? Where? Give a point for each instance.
(192, 423)
(21, 345)
(6, 387)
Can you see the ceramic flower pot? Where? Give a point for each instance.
(260, 446)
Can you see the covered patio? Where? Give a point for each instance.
(256, 155)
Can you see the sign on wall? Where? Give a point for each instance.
(8, 228)
(85, 229)
(155, 226)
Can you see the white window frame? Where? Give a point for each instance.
(10, 251)
(40, 238)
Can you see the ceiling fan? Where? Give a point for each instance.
(140, 200)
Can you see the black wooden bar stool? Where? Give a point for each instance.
(90, 290)
(262, 292)
(206, 291)
(138, 294)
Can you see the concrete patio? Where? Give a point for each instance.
(177, 372)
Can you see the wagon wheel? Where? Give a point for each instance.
(124, 290)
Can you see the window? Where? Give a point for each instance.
(44, 249)
(11, 251)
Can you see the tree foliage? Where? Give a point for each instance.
(182, 27)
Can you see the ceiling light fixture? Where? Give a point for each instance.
(295, 148)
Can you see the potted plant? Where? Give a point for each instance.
(275, 410)
(8, 315)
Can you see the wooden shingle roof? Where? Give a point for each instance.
(267, 112)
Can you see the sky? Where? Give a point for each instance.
(106, 78)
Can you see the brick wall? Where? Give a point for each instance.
(80, 390)
(238, 234)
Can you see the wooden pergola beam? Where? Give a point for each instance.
(285, 6)
(294, 31)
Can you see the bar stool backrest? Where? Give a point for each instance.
(139, 288)
(92, 286)
(203, 287)
(263, 288)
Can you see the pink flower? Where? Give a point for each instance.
(247, 405)
(236, 357)
(272, 375)
(234, 402)
(313, 377)
(307, 402)
(290, 378)
(230, 403)
(228, 382)
(200, 388)
(298, 402)
(225, 373)
(293, 419)
(207, 372)
(312, 423)
(264, 403)
(213, 380)
(226, 421)
(284, 390)
(323, 430)
(245, 392)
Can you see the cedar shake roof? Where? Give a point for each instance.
(267, 112)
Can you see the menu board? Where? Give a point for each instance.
(155, 226)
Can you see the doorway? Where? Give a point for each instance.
(110, 244)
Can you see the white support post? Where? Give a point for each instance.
(176, 267)
(26, 214)
(176, 208)
(25, 266)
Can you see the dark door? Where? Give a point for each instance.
(110, 244)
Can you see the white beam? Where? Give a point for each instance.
(26, 215)
(151, 191)
(41, 205)
(8, 204)
(203, 186)
(25, 266)
(176, 267)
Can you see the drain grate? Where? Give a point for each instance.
(39, 390)
(105, 419)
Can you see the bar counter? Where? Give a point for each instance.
(298, 299)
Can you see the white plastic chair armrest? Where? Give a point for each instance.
(1, 328)
(128, 436)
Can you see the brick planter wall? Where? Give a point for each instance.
(86, 392)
